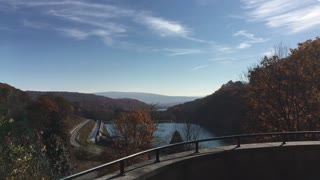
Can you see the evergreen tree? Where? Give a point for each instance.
(176, 137)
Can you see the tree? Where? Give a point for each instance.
(191, 131)
(176, 137)
(22, 156)
(48, 114)
(284, 92)
(22, 153)
(32, 136)
(134, 131)
(58, 156)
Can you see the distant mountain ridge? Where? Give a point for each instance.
(94, 106)
(75, 97)
(149, 98)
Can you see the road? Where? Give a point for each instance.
(74, 133)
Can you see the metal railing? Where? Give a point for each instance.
(157, 150)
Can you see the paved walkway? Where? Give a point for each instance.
(148, 168)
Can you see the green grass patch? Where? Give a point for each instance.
(84, 133)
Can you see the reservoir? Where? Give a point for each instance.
(165, 130)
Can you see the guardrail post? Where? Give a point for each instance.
(284, 139)
(197, 147)
(238, 142)
(122, 168)
(157, 156)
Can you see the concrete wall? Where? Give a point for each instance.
(269, 163)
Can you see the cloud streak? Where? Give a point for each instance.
(244, 45)
(294, 15)
(199, 67)
(165, 27)
(176, 51)
(250, 39)
(223, 60)
(84, 19)
(76, 19)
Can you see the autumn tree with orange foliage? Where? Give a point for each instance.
(134, 132)
(284, 91)
(48, 114)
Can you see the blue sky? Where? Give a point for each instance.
(181, 47)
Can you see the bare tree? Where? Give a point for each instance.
(190, 132)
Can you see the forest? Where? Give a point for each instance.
(35, 129)
(281, 93)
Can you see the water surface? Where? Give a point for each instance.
(165, 130)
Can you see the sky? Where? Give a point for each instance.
(170, 47)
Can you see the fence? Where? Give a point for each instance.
(237, 138)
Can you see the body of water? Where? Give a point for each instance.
(165, 130)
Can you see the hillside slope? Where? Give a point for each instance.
(221, 112)
(94, 106)
(13, 102)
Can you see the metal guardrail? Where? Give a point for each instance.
(157, 150)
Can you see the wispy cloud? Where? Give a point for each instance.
(76, 33)
(83, 19)
(35, 25)
(165, 27)
(199, 40)
(294, 15)
(199, 67)
(244, 45)
(214, 61)
(250, 39)
(222, 49)
(81, 35)
(176, 52)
